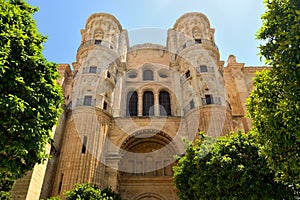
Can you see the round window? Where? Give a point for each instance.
(163, 74)
(132, 74)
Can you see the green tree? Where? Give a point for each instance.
(274, 104)
(226, 168)
(90, 192)
(53, 198)
(110, 193)
(30, 98)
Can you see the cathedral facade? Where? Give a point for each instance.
(128, 109)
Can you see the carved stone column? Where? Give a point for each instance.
(140, 103)
(112, 171)
(156, 103)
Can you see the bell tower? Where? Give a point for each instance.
(99, 57)
(197, 58)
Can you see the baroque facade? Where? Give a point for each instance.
(128, 108)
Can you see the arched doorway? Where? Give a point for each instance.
(146, 166)
(149, 196)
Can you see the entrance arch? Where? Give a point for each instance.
(149, 196)
(145, 167)
(147, 153)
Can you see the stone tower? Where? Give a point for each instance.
(196, 57)
(129, 107)
(90, 112)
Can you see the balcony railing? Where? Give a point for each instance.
(188, 107)
(195, 42)
(213, 100)
(94, 42)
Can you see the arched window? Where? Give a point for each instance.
(198, 41)
(104, 105)
(203, 68)
(187, 74)
(132, 104)
(98, 42)
(93, 69)
(148, 104)
(164, 104)
(148, 75)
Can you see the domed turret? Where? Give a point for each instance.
(190, 29)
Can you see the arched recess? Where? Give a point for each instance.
(175, 107)
(149, 196)
(148, 72)
(148, 75)
(148, 153)
(165, 103)
(148, 103)
(132, 104)
(147, 158)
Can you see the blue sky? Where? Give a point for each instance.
(235, 23)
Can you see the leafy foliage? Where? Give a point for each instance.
(274, 104)
(87, 191)
(29, 95)
(110, 193)
(53, 198)
(227, 168)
